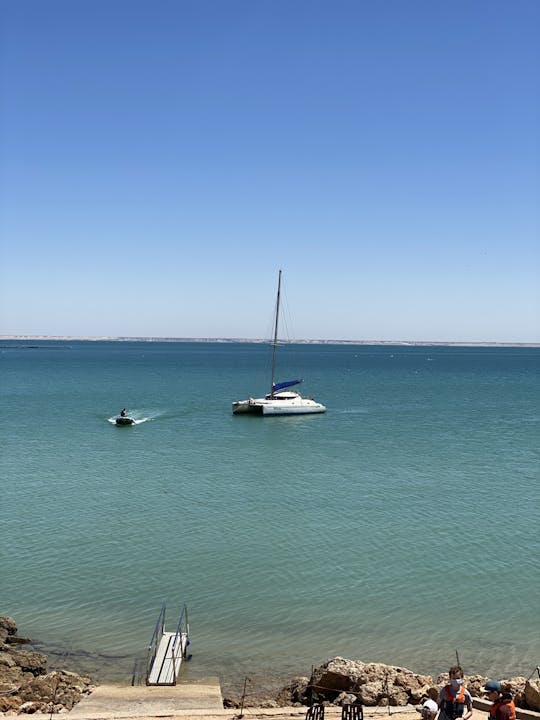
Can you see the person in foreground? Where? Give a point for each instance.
(502, 705)
(455, 700)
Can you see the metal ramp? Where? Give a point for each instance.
(167, 650)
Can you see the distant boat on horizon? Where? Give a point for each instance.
(279, 400)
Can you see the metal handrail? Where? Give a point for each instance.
(178, 634)
(154, 642)
(178, 637)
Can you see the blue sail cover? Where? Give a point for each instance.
(288, 383)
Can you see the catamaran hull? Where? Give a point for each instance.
(246, 407)
(293, 409)
(300, 406)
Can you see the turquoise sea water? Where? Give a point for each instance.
(399, 527)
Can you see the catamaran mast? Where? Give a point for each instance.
(275, 335)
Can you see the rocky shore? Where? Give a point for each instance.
(26, 686)
(340, 681)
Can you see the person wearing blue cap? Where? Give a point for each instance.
(502, 705)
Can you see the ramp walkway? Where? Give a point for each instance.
(167, 650)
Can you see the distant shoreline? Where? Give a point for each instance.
(405, 343)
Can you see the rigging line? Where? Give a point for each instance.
(286, 317)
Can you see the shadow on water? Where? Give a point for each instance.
(100, 667)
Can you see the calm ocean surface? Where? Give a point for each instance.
(399, 527)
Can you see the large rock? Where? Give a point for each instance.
(335, 676)
(6, 660)
(25, 684)
(371, 693)
(474, 684)
(8, 629)
(340, 681)
(56, 688)
(30, 661)
(532, 694)
(372, 683)
(295, 692)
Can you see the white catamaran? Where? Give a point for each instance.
(278, 401)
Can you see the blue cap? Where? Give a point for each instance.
(493, 685)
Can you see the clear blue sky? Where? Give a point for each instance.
(162, 159)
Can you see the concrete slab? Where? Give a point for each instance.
(108, 701)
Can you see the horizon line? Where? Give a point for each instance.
(145, 338)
